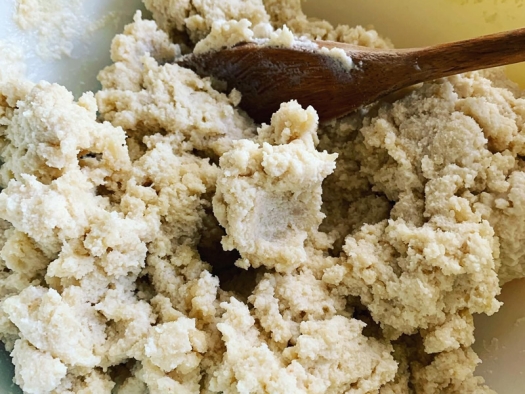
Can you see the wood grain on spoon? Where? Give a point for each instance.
(268, 76)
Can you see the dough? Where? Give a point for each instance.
(154, 238)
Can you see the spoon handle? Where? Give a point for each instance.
(462, 56)
(383, 71)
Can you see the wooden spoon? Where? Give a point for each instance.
(268, 76)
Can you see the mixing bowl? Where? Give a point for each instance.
(500, 339)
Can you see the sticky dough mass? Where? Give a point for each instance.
(155, 238)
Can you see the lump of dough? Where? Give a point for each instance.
(36, 371)
(412, 278)
(51, 213)
(180, 181)
(330, 356)
(53, 326)
(269, 196)
(248, 365)
(282, 302)
(169, 345)
(48, 213)
(130, 321)
(501, 209)
(47, 143)
(22, 255)
(443, 173)
(140, 38)
(469, 131)
(147, 95)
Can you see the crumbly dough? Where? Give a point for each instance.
(268, 197)
(155, 239)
